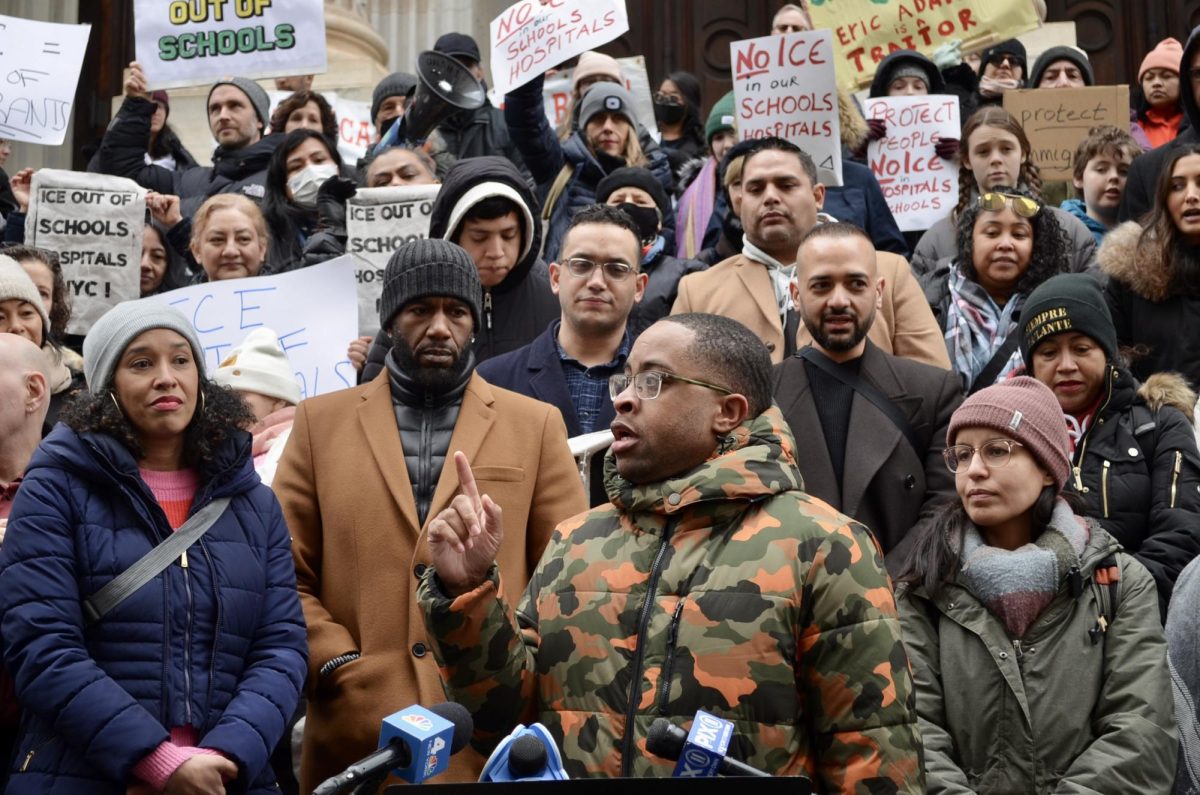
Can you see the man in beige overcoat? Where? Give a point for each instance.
(363, 473)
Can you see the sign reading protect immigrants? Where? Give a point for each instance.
(194, 42)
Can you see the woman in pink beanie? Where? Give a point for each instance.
(1037, 651)
(1159, 112)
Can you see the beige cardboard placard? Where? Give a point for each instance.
(1056, 120)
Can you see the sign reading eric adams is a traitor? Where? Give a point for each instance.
(196, 42)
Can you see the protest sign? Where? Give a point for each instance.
(529, 37)
(919, 186)
(867, 31)
(311, 309)
(354, 129)
(39, 69)
(556, 93)
(95, 223)
(785, 86)
(1056, 120)
(195, 42)
(378, 221)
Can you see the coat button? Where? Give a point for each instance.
(1003, 655)
(419, 650)
(910, 482)
(770, 347)
(419, 570)
(1133, 451)
(674, 498)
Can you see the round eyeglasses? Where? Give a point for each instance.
(995, 453)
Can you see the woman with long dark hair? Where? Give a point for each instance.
(298, 168)
(677, 110)
(186, 683)
(1035, 642)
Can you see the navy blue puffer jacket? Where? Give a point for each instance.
(220, 645)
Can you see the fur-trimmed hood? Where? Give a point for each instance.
(1137, 266)
(853, 125)
(1168, 389)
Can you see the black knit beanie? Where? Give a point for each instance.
(633, 177)
(1067, 302)
(1009, 47)
(426, 268)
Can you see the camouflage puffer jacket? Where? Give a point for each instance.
(726, 589)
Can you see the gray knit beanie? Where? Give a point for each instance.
(254, 92)
(426, 268)
(15, 283)
(121, 325)
(606, 98)
(397, 84)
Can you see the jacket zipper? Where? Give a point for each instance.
(664, 687)
(1018, 653)
(1078, 468)
(1104, 488)
(212, 658)
(187, 639)
(487, 308)
(638, 657)
(33, 752)
(1175, 475)
(425, 463)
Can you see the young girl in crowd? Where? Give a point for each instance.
(995, 151)
(1153, 289)
(1100, 169)
(1008, 244)
(1159, 112)
(1133, 449)
(191, 678)
(1036, 647)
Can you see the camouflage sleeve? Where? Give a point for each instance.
(485, 653)
(921, 641)
(852, 673)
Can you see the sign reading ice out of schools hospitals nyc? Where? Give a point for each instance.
(39, 69)
(378, 221)
(311, 309)
(785, 86)
(94, 222)
(920, 187)
(534, 35)
(867, 31)
(195, 42)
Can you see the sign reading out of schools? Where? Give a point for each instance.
(194, 42)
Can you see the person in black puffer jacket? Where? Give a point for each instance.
(486, 207)
(1134, 460)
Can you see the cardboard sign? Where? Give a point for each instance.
(867, 31)
(1056, 120)
(95, 223)
(40, 63)
(785, 86)
(355, 131)
(378, 221)
(556, 94)
(919, 186)
(311, 309)
(529, 37)
(195, 42)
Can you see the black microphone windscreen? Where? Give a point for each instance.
(461, 718)
(526, 756)
(665, 739)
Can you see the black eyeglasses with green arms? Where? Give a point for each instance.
(647, 385)
(1021, 205)
(613, 271)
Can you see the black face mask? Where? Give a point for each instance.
(646, 219)
(669, 112)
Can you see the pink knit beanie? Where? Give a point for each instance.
(1025, 409)
(1167, 55)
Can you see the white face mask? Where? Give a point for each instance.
(305, 183)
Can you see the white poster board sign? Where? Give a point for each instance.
(354, 129)
(528, 38)
(786, 87)
(94, 222)
(378, 221)
(919, 186)
(556, 94)
(195, 42)
(39, 70)
(311, 309)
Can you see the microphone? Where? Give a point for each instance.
(528, 754)
(414, 743)
(700, 753)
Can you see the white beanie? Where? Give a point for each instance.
(16, 284)
(260, 365)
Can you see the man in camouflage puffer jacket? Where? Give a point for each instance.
(716, 585)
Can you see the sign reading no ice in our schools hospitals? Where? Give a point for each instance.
(785, 86)
(920, 187)
(195, 42)
(39, 69)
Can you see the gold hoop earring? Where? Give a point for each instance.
(202, 400)
(115, 403)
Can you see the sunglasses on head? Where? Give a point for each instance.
(1021, 205)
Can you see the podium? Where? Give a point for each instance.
(776, 785)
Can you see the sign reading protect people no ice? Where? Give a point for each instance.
(195, 42)
(94, 222)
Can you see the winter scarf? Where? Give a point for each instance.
(991, 88)
(976, 328)
(1017, 585)
(781, 275)
(695, 210)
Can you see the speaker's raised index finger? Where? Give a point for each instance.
(466, 478)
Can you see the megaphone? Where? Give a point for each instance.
(444, 87)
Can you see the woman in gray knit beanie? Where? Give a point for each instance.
(1037, 652)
